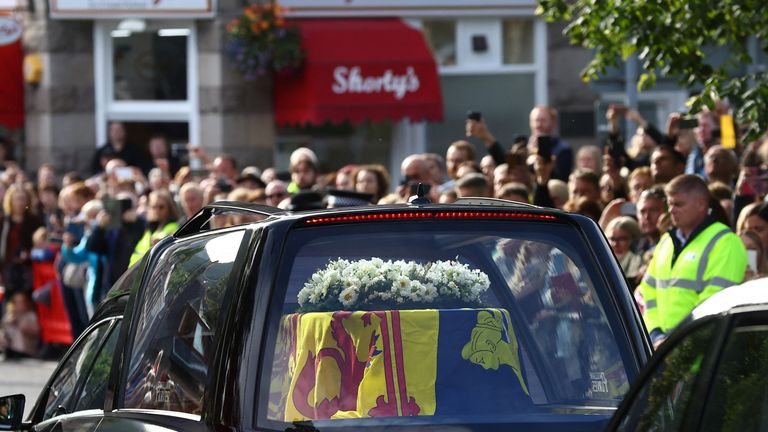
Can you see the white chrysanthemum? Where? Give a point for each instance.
(402, 285)
(304, 295)
(430, 292)
(348, 296)
(315, 296)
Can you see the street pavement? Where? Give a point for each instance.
(27, 376)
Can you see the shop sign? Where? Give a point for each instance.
(132, 8)
(351, 80)
(10, 30)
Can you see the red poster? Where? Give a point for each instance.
(11, 74)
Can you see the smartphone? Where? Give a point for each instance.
(688, 123)
(124, 173)
(752, 260)
(616, 150)
(474, 115)
(113, 208)
(544, 146)
(415, 188)
(223, 185)
(125, 204)
(628, 209)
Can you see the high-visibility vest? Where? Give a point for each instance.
(713, 260)
(145, 243)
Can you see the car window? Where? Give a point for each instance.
(661, 403)
(93, 391)
(451, 321)
(738, 399)
(176, 323)
(74, 369)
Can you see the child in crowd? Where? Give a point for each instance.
(19, 330)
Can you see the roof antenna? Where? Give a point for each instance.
(421, 196)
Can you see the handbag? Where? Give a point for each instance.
(74, 275)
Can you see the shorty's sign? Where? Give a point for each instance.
(351, 80)
(10, 30)
(132, 8)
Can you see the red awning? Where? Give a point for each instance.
(359, 69)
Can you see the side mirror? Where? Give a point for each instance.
(11, 411)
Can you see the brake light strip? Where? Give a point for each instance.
(429, 215)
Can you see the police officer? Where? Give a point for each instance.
(698, 257)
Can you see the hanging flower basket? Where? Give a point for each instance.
(259, 43)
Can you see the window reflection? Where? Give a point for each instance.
(441, 37)
(517, 43)
(150, 65)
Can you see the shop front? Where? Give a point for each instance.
(488, 56)
(380, 80)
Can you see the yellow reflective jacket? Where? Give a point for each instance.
(145, 244)
(714, 259)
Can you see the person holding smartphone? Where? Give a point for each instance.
(543, 122)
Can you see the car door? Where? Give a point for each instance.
(671, 390)
(74, 397)
(737, 399)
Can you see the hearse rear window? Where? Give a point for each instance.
(443, 322)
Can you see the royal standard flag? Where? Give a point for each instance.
(396, 363)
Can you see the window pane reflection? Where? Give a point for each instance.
(517, 40)
(441, 37)
(150, 65)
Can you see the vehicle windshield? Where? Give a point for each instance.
(442, 322)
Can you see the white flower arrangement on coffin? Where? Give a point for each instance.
(376, 284)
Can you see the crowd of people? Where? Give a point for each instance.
(683, 213)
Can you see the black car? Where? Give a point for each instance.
(712, 372)
(480, 315)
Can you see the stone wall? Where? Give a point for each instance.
(235, 116)
(60, 110)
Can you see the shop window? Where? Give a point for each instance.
(146, 73)
(517, 41)
(441, 37)
(150, 64)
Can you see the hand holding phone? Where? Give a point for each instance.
(544, 145)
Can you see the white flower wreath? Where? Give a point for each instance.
(378, 284)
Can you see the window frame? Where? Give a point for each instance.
(702, 382)
(151, 261)
(109, 109)
(735, 322)
(39, 411)
(464, 29)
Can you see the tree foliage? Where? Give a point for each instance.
(671, 38)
